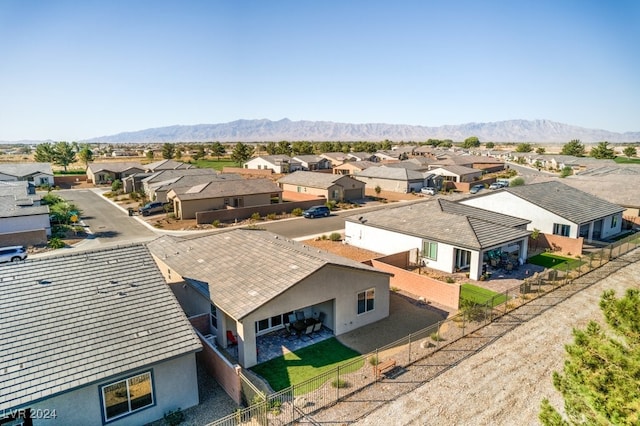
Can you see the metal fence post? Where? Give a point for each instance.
(409, 362)
(338, 384)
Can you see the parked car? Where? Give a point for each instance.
(428, 190)
(496, 185)
(476, 188)
(152, 208)
(12, 254)
(316, 211)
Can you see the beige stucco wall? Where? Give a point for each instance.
(186, 209)
(335, 284)
(305, 190)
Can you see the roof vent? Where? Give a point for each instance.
(134, 285)
(252, 293)
(43, 282)
(114, 282)
(293, 266)
(122, 293)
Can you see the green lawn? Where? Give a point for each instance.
(553, 261)
(215, 164)
(479, 295)
(625, 160)
(296, 367)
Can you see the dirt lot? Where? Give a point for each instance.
(504, 382)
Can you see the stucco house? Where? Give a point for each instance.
(156, 184)
(352, 167)
(222, 194)
(395, 179)
(312, 162)
(336, 158)
(167, 165)
(555, 208)
(36, 173)
(23, 220)
(330, 186)
(441, 234)
(457, 173)
(107, 172)
(276, 163)
(93, 338)
(250, 280)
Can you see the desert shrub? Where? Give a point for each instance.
(330, 204)
(56, 243)
(216, 223)
(339, 383)
(116, 186)
(174, 418)
(271, 216)
(296, 212)
(335, 236)
(450, 280)
(373, 360)
(256, 216)
(517, 182)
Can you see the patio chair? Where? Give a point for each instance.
(300, 315)
(231, 339)
(308, 331)
(321, 317)
(290, 332)
(292, 318)
(316, 327)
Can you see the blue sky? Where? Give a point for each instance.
(71, 70)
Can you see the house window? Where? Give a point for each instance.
(614, 221)
(127, 396)
(430, 250)
(366, 301)
(560, 229)
(214, 317)
(273, 323)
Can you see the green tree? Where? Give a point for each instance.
(629, 151)
(85, 155)
(168, 151)
(241, 153)
(490, 145)
(540, 150)
(271, 148)
(302, 148)
(199, 153)
(573, 147)
(602, 151)
(63, 154)
(517, 182)
(524, 147)
(566, 171)
(44, 153)
(599, 381)
(217, 150)
(149, 155)
(471, 142)
(284, 148)
(178, 153)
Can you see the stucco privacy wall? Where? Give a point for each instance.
(419, 285)
(564, 245)
(175, 385)
(242, 213)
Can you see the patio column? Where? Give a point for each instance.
(590, 234)
(475, 266)
(247, 356)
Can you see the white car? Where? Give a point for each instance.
(428, 190)
(12, 254)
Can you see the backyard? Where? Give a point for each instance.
(296, 367)
(470, 293)
(554, 261)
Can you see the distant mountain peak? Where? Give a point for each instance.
(264, 130)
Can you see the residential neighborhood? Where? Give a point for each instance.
(215, 303)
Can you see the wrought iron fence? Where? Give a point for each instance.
(298, 401)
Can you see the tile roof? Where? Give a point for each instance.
(230, 188)
(245, 269)
(116, 167)
(392, 173)
(167, 165)
(10, 206)
(567, 202)
(163, 175)
(69, 321)
(193, 180)
(457, 170)
(25, 169)
(313, 179)
(309, 158)
(447, 222)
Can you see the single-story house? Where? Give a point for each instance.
(312, 162)
(362, 156)
(457, 173)
(276, 163)
(167, 165)
(107, 172)
(394, 179)
(222, 194)
(23, 220)
(158, 191)
(93, 338)
(150, 182)
(336, 158)
(37, 173)
(441, 234)
(555, 208)
(250, 280)
(352, 167)
(330, 186)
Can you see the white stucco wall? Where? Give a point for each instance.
(175, 385)
(503, 202)
(260, 163)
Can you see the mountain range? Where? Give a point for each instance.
(535, 131)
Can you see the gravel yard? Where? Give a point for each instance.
(497, 376)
